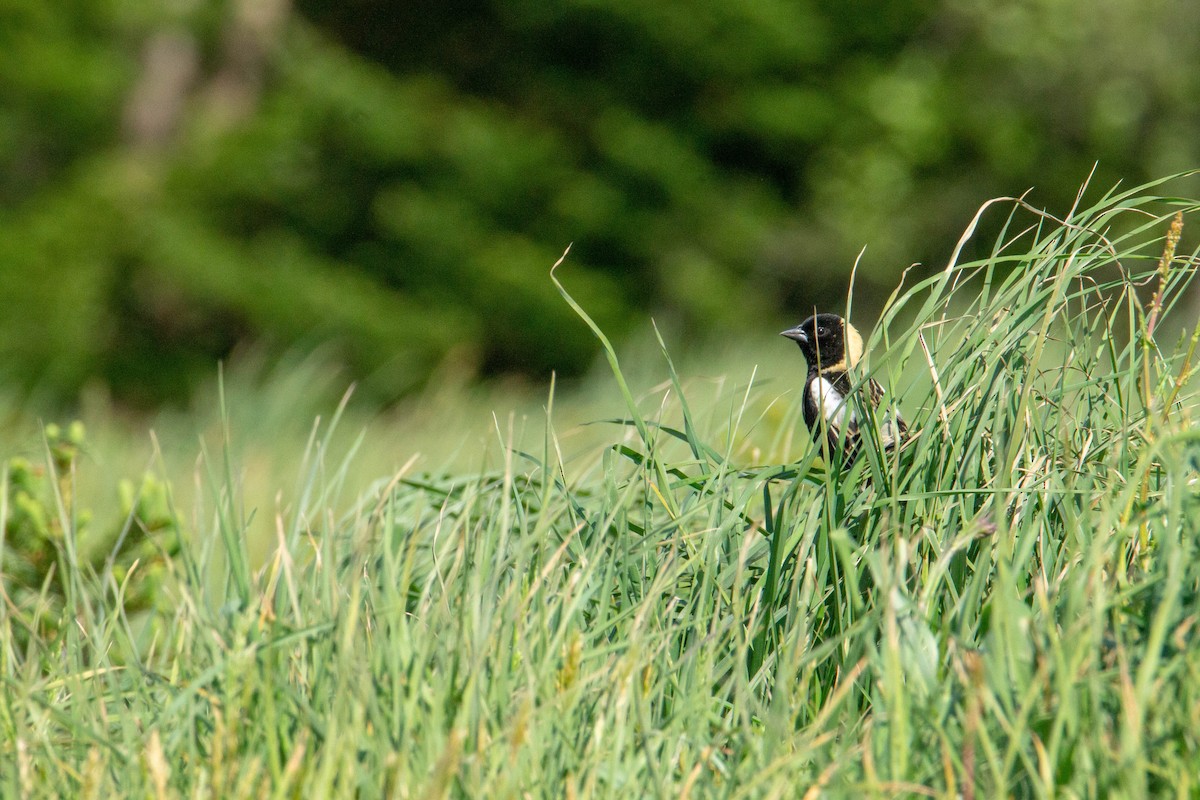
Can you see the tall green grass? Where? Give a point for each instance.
(1006, 606)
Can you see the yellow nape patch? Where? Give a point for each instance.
(854, 346)
(834, 368)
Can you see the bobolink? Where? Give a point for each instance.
(832, 347)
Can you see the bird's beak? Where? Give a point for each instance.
(796, 334)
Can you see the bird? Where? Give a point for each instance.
(832, 347)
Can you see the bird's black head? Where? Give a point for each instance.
(828, 342)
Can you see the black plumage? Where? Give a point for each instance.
(833, 347)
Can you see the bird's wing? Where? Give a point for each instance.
(892, 427)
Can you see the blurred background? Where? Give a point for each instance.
(388, 183)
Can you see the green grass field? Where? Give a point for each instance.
(680, 601)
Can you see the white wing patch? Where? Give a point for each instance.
(890, 430)
(830, 402)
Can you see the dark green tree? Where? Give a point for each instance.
(397, 178)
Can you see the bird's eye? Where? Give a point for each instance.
(821, 331)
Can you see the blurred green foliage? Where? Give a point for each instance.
(397, 178)
(47, 541)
